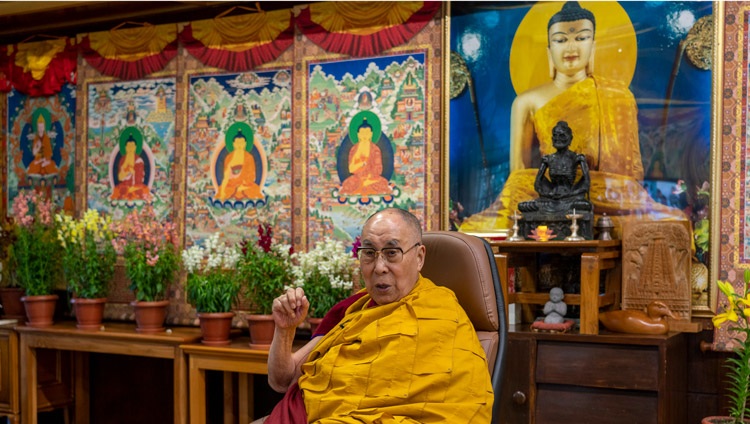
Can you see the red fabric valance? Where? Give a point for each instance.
(364, 29)
(38, 68)
(239, 43)
(130, 53)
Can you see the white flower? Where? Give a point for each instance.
(214, 254)
(328, 257)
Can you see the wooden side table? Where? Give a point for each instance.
(116, 338)
(236, 357)
(594, 256)
(55, 382)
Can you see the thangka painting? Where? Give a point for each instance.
(239, 154)
(366, 141)
(130, 139)
(41, 145)
(635, 89)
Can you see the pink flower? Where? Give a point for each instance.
(355, 246)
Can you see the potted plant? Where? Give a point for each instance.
(737, 312)
(88, 262)
(213, 287)
(151, 261)
(35, 252)
(326, 272)
(265, 270)
(10, 292)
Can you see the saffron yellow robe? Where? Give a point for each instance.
(414, 360)
(603, 117)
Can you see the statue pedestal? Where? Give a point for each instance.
(563, 327)
(558, 223)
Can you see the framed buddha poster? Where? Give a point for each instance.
(632, 79)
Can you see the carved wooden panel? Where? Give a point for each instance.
(656, 261)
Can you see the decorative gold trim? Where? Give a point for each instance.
(716, 142)
(445, 121)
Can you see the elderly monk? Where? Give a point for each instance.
(402, 350)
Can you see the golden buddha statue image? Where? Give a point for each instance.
(365, 159)
(41, 148)
(131, 171)
(602, 114)
(238, 180)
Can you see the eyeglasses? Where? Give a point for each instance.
(392, 255)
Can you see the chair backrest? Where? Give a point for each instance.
(466, 264)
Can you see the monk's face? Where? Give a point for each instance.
(388, 282)
(571, 45)
(40, 128)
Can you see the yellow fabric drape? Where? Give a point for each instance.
(35, 57)
(132, 44)
(242, 32)
(414, 360)
(362, 18)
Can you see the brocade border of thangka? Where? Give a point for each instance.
(730, 154)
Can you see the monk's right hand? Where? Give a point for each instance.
(290, 309)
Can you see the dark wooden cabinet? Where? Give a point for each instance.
(612, 378)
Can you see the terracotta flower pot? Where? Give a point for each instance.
(261, 329)
(720, 419)
(89, 312)
(12, 306)
(149, 316)
(215, 327)
(40, 310)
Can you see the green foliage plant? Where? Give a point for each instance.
(265, 269)
(737, 311)
(151, 259)
(35, 251)
(89, 256)
(212, 279)
(326, 273)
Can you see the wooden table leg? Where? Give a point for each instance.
(590, 271)
(180, 387)
(229, 417)
(246, 395)
(28, 382)
(197, 394)
(81, 388)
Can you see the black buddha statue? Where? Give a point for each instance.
(560, 194)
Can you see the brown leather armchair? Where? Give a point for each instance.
(466, 265)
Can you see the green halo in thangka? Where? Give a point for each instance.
(360, 117)
(232, 132)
